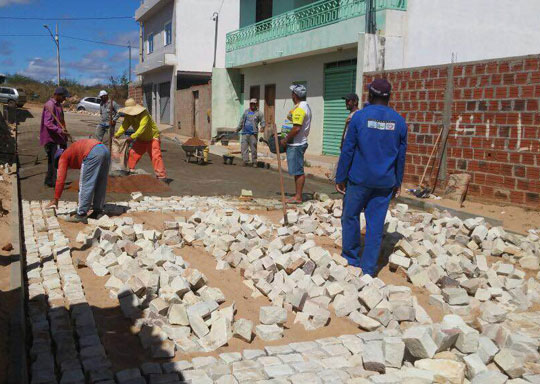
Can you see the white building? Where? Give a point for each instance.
(177, 49)
(324, 45)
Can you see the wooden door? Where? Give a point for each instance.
(269, 109)
(196, 113)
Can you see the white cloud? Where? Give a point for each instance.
(124, 37)
(94, 81)
(5, 3)
(41, 69)
(124, 55)
(92, 62)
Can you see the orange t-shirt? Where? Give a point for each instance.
(72, 158)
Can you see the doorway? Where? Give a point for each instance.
(255, 92)
(269, 109)
(165, 103)
(263, 10)
(196, 128)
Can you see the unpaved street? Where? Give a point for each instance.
(212, 179)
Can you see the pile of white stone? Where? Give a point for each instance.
(285, 265)
(448, 352)
(451, 258)
(64, 334)
(172, 304)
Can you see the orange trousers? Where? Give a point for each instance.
(153, 148)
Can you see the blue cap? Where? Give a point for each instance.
(61, 91)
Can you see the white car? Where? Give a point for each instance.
(90, 104)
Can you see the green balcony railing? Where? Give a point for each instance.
(315, 15)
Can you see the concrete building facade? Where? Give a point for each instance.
(324, 45)
(178, 38)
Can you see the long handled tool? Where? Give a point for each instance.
(111, 127)
(61, 125)
(443, 148)
(278, 155)
(430, 157)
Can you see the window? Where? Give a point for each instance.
(150, 43)
(167, 32)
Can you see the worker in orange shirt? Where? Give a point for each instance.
(146, 137)
(93, 159)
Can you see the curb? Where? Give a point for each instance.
(18, 368)
(427, 206)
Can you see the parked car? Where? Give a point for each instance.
(14, 97)
(90, 104)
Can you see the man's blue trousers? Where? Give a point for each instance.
(374, 202)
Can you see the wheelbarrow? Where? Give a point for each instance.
(194, 151)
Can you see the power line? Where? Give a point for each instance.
(66, 37)
(21, 35)
(94, 41)
(65, 18)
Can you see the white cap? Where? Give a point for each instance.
(299, 90)
(102, 93)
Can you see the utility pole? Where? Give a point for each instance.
(57, 43)
(129, 73)
(371, 23)
(215, 17)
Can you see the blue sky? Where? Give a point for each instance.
(86, 62)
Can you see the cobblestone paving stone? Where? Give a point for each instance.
(486, 335)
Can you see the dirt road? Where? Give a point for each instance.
(209, 180)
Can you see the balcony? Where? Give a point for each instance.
(149, 8)
(155, 61)
(312, 16)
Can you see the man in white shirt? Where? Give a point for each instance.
(296, 140)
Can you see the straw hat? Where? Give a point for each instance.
(131, 108)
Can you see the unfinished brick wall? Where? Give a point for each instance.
(192, 120)
(135, 91)
(492, 115)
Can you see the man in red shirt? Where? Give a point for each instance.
(93, 159)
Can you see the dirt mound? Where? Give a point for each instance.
(132, 183)
(195, 142)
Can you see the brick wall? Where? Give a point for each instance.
(492, 114)
(135, 91)
(189, 121)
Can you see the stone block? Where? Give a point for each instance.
(269, 332)
(243, 329)
(373, 357)
(394, 350)
(178, 314)
(445, 371)
(510, 363)
(370, 296)
(272, 315)
(419, 342)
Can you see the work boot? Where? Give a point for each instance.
(247, 163)
(77, 219)
(96, 214)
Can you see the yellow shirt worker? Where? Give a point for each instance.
(146, 137)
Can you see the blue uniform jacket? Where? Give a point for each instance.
(373, 153)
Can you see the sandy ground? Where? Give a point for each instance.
(119, 336)
(7, 297)
(514, 218)
(188, 179)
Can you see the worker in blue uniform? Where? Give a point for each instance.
(369, 173)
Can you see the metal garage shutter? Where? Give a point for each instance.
(338, 81)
